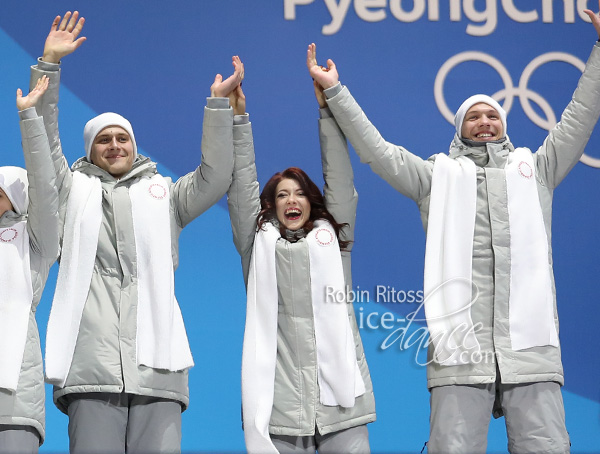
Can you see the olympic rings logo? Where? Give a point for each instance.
(510, 91)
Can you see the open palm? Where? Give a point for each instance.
(63, 37)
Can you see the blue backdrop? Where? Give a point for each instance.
(409, 64)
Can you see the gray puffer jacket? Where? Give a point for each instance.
(25, 407)
(105, 353)
(411, 175)
(296, 406)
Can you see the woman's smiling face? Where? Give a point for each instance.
(291, 205)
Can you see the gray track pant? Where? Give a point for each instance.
(350, 441)
(534, 415)
(113, 423)
(18, 440)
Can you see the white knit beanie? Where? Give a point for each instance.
(97, 124)
(13, 181)
(470, 102)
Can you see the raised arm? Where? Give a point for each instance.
(197, 191)
(243, 196)
(404, 171)
(566, 142)
(339, 192)
(42, 222)
(62, 40)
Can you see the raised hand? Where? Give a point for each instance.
(325, 77)
(222, 88)
(25, 102)
(595, 18)
(319, 94)
(62, 39)
(237, 100)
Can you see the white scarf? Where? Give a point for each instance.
(160, 330)
(162, 342)
(15, 301)
(531, 304)
(339, 377)
(448, 260)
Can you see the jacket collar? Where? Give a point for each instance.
(10, 218)
(142, 166)
(486, 155)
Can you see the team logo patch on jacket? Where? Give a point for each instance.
(157, 191)
(8, 235)
(525, 170)
(324, 237)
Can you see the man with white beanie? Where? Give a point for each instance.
(490, 300)
(116, 347)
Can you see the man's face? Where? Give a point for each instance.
(482, 123)
(112, 151)
(5, 204)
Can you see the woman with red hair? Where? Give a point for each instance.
(305, 381)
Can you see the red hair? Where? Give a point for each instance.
(318, 210)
